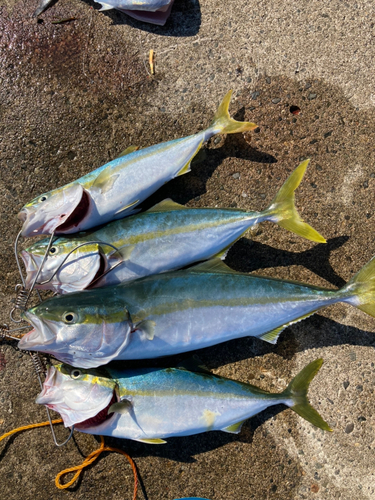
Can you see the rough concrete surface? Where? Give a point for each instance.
(73, 95)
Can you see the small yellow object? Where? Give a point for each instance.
(151, 61)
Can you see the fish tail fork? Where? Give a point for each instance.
(224, 124)
(360, 290)
(283, 210)
(297, 392)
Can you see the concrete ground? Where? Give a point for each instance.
(74, 95)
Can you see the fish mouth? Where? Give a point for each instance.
(22, 215)
(99, 418)
(31, 267)
(39, 337)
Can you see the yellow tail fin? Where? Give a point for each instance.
(297, 391)
(224, 124)
(284, 211)
(362, 286)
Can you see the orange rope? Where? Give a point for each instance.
(31, 426)
(88, 460)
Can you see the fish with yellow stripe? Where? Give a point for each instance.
(115, 189)
(166, 237)
(153, 404)
(180, 311)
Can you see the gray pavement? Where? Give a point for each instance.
(74, 95)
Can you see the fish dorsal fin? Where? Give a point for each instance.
(215, 265)
(128, 150)
(273, 335)
(151, 441)
(166, 205)
(234, 428)
(193, 364)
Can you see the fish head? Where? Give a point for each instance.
(78, 395)
(70, 266)
(60, 210)
(85, 329)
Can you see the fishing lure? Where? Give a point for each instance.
(180, 311)
(166, 237)
(151, 405)
(115, 189)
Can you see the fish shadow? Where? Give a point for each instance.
(248, 256)
(184, 21)
(184, 188)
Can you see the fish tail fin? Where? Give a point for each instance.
(224, 124)
(297, 392)
(360, 290)
(283, 210)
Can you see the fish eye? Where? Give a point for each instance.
(70, 317)
(53, 250)
(74, 374)
(42, 198)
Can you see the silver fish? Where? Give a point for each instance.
(115, 189)
(181, 311)
(151, 405)
(167, 237)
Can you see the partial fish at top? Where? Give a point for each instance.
(149, 11)
(115, 189)
(153, 404)
(181, 311)
(166, 237)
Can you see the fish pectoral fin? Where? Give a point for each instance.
(151, 441)
(273, 335)
(166, 205)
(122, 209)
(129, 149)
(105, 6)
(234, 428)
(121, 407)
(105, 181)
(147, 327)
(126, 252)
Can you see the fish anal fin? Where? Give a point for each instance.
(186, 168)
(151, 441)
(215, 265)
(273, 335)
(122, 209)
(193, 364)
(166, 205)
(234, 428)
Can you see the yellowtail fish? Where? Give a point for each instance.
(115, 189)
(181, 311)
(151, 405)
(166, 237)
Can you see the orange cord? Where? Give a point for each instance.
(88, 460)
